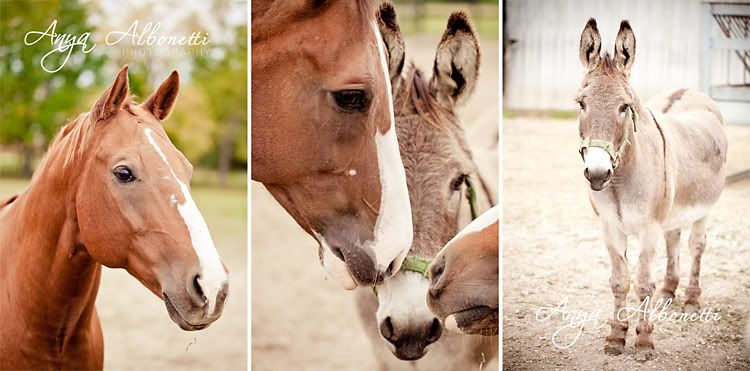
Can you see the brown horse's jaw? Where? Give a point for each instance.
(176, 317)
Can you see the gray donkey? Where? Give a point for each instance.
(652, 169)
(439, 171)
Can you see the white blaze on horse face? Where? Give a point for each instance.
(213, 277)
(483, 221)
(597, 160)
(393, 228)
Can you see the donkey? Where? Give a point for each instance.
(651, 168)
(112, 190)
(464, 285)
(438, 166)
(323, 137)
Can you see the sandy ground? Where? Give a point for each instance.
(138, 333)
(553, 250)
(300, 320)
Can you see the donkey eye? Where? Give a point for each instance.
(458, 182)
(123, 174)
(623, 108)
(581, 105)
(351, 100)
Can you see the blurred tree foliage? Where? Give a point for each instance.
(33, 102)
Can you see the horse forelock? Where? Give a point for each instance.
(73, 138)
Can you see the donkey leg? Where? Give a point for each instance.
(617, 243)
(672, 276)
(697, 244)
(645, 287)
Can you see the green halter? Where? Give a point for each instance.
(421, 265)
(608, 146)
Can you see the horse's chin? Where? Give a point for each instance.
(177, 318)
(480, 320)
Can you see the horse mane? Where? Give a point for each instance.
(417, 93)
(73, 138)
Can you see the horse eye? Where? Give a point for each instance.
(123, 174)
(458, 182)
(351, 100)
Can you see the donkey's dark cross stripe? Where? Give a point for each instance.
(677, 95)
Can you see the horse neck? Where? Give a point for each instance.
(50, 279)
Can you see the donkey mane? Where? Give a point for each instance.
(417, 93)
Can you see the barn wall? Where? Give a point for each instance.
(543, 68)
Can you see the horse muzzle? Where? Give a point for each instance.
(598, 167)
(355, 264)
(191, 310)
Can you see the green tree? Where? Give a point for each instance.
(33, 102)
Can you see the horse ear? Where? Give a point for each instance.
(456, 67)
(161, 102)
(113, 98)
(393, 39)
(590, 46)
(624, 48)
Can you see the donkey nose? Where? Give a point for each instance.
(597, 177)
(411, 339)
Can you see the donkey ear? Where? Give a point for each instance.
(456, 66)
(591, 45)
(161, 102)
(624, 48)
(394, 41)
(113, 98)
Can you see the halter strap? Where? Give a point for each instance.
(419, 264)
(608, 146)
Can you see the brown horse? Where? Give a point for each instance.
(323, 136)
(112, 190)
(464, 284)
(439, 168)
(652, 169)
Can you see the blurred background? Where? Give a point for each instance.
(552, 247)
(300, 319)
(208, 124)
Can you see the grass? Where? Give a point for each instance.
(549, 114)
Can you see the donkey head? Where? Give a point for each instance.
(438, 162)
(609, 108)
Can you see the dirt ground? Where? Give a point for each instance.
(138, 333)
(300, 320)
(552, 250)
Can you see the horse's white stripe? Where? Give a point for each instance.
(212, 276)
(393, 228)
(481, 222)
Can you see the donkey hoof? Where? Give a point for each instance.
(665, 295)
(644, 354)
(614, 348)
(692, 308)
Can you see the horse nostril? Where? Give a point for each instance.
(386, 329)
(436, 330)
(198, 289)
(391, 268)
(336, 251)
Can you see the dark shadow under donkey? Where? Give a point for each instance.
(439, 170)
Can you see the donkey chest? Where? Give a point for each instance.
(625, 211)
